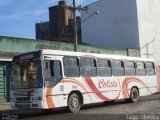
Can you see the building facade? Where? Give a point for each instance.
(43, 31)
(124, 24)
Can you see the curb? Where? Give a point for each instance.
(5, 103)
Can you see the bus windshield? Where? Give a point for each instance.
(24, 75)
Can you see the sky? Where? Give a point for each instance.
(18, 17)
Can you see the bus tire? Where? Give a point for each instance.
(134, 95)
(74, 103)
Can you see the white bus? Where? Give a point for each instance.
(49, 79)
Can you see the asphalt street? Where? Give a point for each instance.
(148, 108)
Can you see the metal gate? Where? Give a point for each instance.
(2, 84)
(5, 68)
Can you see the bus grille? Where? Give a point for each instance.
(23, 99)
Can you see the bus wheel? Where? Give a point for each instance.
(134, 96)
(74, 103)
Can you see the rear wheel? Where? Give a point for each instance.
(134, 96)
(74, 103)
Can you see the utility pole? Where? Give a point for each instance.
(75, 38)
(74, 8)
(147, 47)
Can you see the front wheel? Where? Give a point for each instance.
(74, 103)
(134, 96)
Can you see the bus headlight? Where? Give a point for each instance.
(39, 98)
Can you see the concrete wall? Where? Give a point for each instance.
(13, 45)
(149, 27)
(115, 27)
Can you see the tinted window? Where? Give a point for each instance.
(128, 64)
(140, 65)
(103, 68)
(88, 67)
(140, 70)
(52, 72)
(71, 62)
(129, 68)
(71, 67)
(87, 62)
(150, 69)
(117, 68)
(55, 67)
(103, 63)
(149, 65)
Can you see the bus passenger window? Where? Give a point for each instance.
(47, 71)
(55, 67)
(129, 68)
(140, 70)
(117, 68)
(150, 68)
(71, 67)
(104, 68)
(88, 67)
(52, 72)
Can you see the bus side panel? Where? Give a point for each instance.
(152, 84)
(109, 87)
(87, 86)
(54, 96)
(128, 82)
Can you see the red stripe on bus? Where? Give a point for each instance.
(95, 90)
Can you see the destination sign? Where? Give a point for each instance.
(27, 56)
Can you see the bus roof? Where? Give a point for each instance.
(85, 54)
(5, 59)
(37, 53)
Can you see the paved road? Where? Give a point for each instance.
(148, 108)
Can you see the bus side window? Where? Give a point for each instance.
(71, 67)
(129, 68)
(150, 69)
(117, 68)
(55, 67)
(47, 71)
(88, 67)
(52, 72)
(103, 68)
(140, 69)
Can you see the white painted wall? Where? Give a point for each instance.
(149, 27)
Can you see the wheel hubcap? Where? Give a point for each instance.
(135, 95)
(74, 103)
